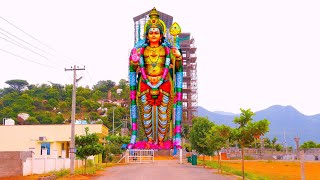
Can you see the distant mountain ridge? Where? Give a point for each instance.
(286, 121)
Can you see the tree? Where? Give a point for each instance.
(217, 138)
(185, 131)
(31, 120)
(104, 86)
(58, 119)
(5, 91)
(200, 127)
(114, 144)
(84, 92)
(44, 117)
(120, 113)
(97, 95)
(308, 145)
(278, 147)
(123, 84)
(87, 145)
(90, 105)
(273, 141)
(247, 131)
(17, 84)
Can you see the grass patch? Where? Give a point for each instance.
(215, 165)
(91, 170)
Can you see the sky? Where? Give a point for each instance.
(250, 54)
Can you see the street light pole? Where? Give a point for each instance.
(113, 122)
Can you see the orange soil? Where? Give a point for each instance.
(278, 169)
(164, 158)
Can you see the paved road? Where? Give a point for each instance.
(161, 170)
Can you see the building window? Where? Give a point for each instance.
(184, 85)
(185, 104)
(184, 96)
(45, 145)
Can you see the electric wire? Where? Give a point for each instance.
(66, 58)
(25, 32)
(26, 48)
(28, 59)
(90, 77)
(25, 42)
(22, 46)
(28, 42)
(85, 79)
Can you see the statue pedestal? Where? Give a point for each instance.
(163, 152)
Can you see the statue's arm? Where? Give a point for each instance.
(134, 59)
(176, 58)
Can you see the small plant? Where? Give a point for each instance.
(248, 158)
(90, 163)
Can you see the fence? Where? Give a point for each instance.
(139, 156)
(265, 153)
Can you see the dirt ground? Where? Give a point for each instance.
(278, 169)
(275, 170)
(36, 177)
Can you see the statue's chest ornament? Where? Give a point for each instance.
(154, 57)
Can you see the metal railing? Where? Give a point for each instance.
(139, 156)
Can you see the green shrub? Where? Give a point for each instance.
(248, 158)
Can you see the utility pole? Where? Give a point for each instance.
(113, 122)
(73, 116)
(296, 139)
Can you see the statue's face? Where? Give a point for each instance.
(154, 35)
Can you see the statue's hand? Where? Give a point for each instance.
(135, 56)
(176, 52)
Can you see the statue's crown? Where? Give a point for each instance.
(155, 22)
(154, 13)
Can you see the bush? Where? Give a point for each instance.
(110, 158)
(248, 158)
(90, 163)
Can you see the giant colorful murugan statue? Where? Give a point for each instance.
(156, 77)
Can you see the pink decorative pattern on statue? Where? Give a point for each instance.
(133, 95)
(134, 126)
(134, 55)
(178, 129)
(141, 50)
(165, 72)
(167, 50)
(143, 72)
(179, 96)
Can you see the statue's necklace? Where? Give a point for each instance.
(154, 56)
(165, 71)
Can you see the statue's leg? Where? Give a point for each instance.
(147, 118)
(163, 118)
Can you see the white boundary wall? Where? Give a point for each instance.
(44, 164)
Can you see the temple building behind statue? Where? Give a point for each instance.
(188, 48)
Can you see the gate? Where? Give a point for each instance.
(139, 156)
